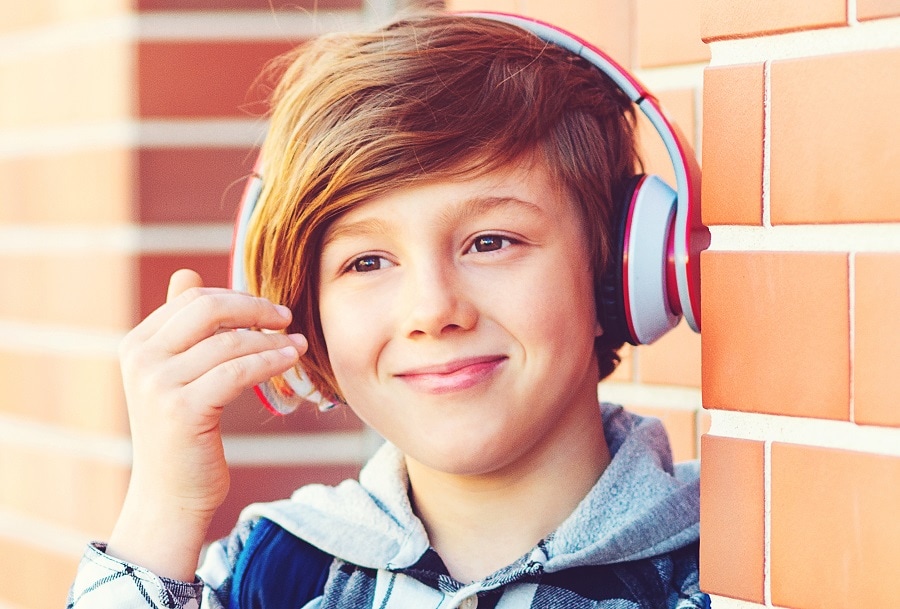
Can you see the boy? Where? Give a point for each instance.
(436, 223)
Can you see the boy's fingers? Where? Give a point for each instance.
(210, 313)
(220, 348)
(224, 383)
(181, 281)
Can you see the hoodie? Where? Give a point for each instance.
(632, 542)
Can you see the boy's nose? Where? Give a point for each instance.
(436, 302)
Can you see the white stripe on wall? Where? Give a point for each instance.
(807, 238)
(878, 34)
(240, 450)
(43, 534)
(653, 396)
(300, 449)
(820, 433)
(26, 337)
(187, 133)
(24, 240)
(723, 602)
(180, 26)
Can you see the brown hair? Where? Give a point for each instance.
(431, 96)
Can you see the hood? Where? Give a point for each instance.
(640, 507)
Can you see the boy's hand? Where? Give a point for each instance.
(180, 367)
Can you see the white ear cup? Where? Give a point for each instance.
(645, 259)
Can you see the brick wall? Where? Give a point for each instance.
(132, 122)
(801, 149)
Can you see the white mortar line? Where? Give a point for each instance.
(246, 25)
(174, 133)
(877, 34)
(37, 240)
(665, 78)
(298, 449)
(724, 602)
(240, 449)
(767, 522)
(807, 238)
(851, 290)
(767, 146)
(52, 439)
(852, 13)
(658, 396)
(29, 337)
(163, 26)
(819, 433)
(48, 536)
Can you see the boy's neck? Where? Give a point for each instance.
(479, 524)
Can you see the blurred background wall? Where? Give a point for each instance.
(126, 127)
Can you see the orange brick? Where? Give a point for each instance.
(834, 147)
(776, 333)
(876, 383)
(668, 33)
(733, 145)
(268, 483)
(155, 269)
(192, 184)
(672, 360)
(681, 427)
(197, 79)
(835, 532)
(74, 390)
(78, 493)
(33, 577)
(732, 529)
(877, 9)
(84, 187)
(86, 84)
(81, 289)
(734, 18)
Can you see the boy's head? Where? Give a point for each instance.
(428, 98)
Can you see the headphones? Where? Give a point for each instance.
(654, 278)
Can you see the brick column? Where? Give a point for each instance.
(801, 289)
(125, 131)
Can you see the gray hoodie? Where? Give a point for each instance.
(640, 520)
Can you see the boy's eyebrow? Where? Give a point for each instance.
(466, 210)
(476, 206)
(360, 228)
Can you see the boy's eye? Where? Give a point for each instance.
(364, 264)
(489, 243)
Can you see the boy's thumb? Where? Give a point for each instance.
(181, 280)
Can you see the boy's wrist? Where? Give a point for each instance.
(166, 540)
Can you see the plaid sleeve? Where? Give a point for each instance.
(105, 582)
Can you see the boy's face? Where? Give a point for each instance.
(460, 320)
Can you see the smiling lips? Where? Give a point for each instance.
(453, 376)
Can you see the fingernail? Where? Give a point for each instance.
(288, 351)
(299, 340)
(283, 311)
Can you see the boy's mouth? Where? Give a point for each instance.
(456, 375)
